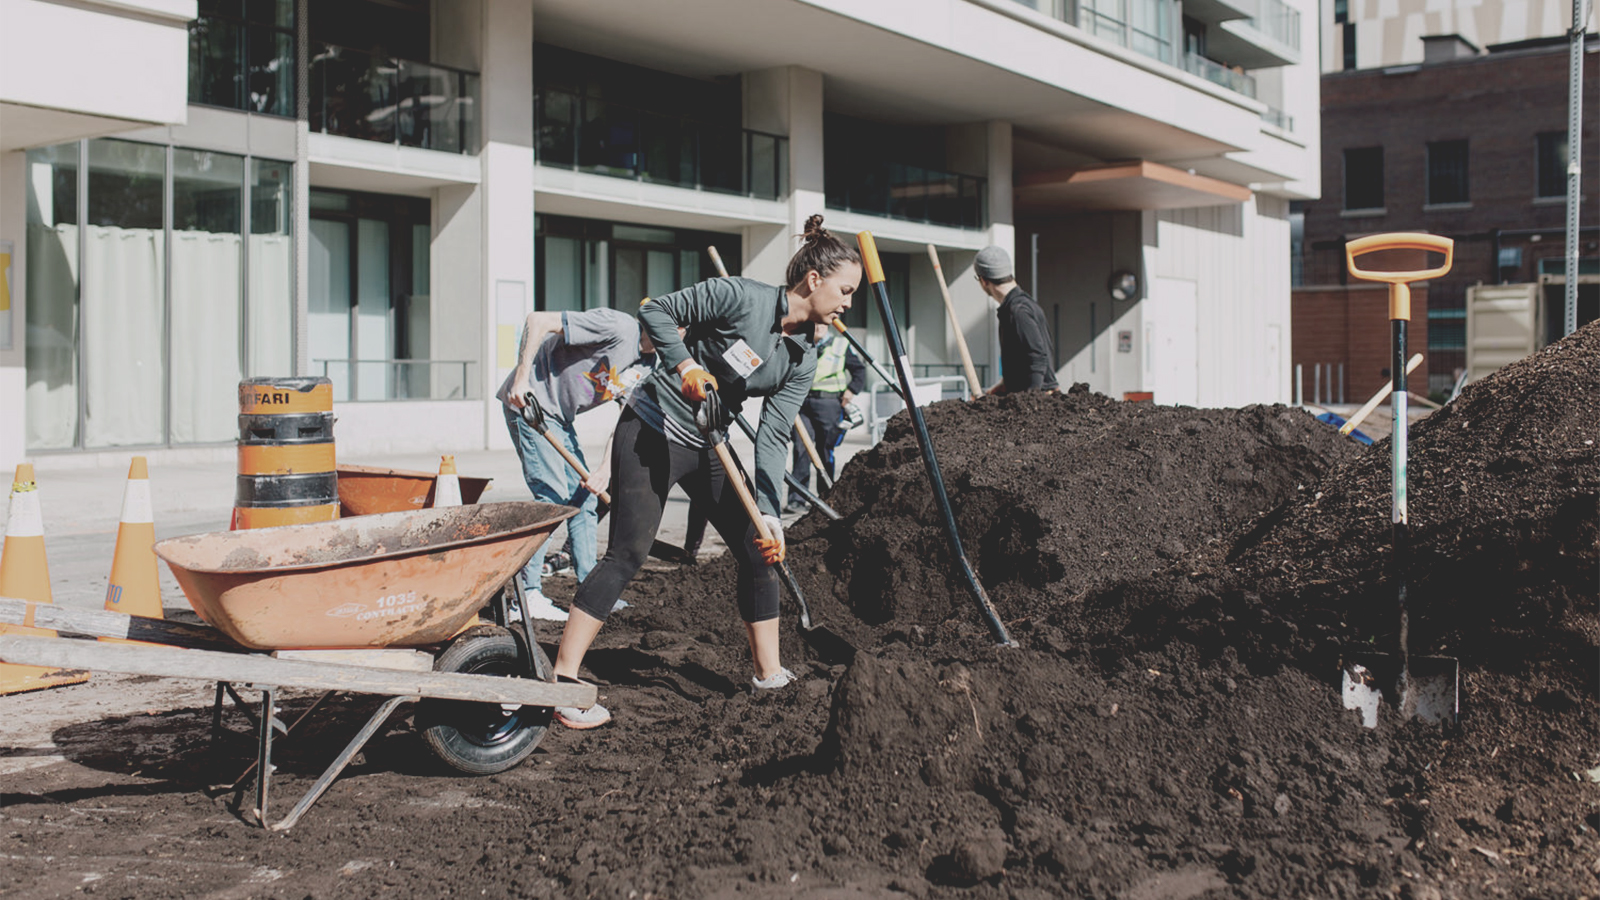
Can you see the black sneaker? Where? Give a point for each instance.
(555, 563)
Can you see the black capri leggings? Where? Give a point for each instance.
(644, 466)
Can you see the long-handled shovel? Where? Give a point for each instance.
(955, 326)
(533, 414)
(867, 358)
(1427, 687)
(874, 267)
(713, 422)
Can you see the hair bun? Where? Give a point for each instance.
(814, 230)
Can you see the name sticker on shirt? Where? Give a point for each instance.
(741, 358)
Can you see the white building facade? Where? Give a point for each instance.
(381, 193)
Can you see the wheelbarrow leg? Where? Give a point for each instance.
(334, 768)
(245, 775)
(269, 718)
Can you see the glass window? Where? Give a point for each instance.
(207, 294)
(124, 283)
(1349, 46)
(1552, 164)
(271, 297)
(1363, 178)
(1447, 172)
(241, 55)
(51, 333)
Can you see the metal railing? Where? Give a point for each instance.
(1215, 72)
(1277, 21)
(578, 132)
(932, 370)
(399, 379)
(381, 98)
(911, 193)
(882, 402)
(1275, 116)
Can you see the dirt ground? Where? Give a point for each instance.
(1182, 585)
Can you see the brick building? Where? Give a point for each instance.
(1467, 144)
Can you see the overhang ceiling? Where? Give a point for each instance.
(1123, 186)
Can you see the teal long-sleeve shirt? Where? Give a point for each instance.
(723, 318)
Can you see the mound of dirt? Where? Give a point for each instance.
(1055, 496)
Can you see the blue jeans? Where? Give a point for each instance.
(552, 481)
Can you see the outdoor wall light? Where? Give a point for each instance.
(1124, 285)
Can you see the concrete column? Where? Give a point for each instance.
(13, 281)
(1002, 228)
(505, 196)
(788, 101)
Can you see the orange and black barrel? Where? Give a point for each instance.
(286, 461)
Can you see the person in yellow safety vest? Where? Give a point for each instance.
(840, 377)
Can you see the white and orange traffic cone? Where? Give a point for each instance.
(25, 574)
(135, 587)
(447, 487)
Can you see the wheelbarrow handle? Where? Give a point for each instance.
(533, 414)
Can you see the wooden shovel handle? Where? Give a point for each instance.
(716, 260)
(811, 448)
(731, 472)
(955, 326)
(573, 462)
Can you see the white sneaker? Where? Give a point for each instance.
(774, 681)
(542, 607)
(583, 719)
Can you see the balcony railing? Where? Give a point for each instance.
(1278, 21)
(578, 132)
(381, 98)
(1217, 73)
(400, 379)
(1274, 116)
(912, 193)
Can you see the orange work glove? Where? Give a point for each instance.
(696, 384)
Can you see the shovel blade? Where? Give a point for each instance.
(1430, 691)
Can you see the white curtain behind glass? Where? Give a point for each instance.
(272, 305)
(374, 304)
(122, 335)
(52, 253)
(328, 328)
(205, 336)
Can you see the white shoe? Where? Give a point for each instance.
(542, 607)
(774, 681)
(583, 719)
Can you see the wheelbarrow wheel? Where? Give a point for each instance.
(484, 738)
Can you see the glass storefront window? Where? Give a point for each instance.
(51, 332)
(124, 289)
(585, 263)
(145, 348)
(271, 297)
(207, 294)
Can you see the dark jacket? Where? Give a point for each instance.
(1025, 350)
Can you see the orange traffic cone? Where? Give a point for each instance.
(25, 574)
(135, 587)
(447, 487)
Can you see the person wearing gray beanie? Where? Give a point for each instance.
(1025, 348)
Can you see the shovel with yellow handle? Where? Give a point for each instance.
(1427, 687)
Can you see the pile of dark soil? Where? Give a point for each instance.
(1181, 584)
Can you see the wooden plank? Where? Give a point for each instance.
(377, 658)
(102, 623)
(252, 668)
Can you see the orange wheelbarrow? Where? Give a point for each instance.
(385, 604)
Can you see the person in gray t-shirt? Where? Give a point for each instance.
(571, 362)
